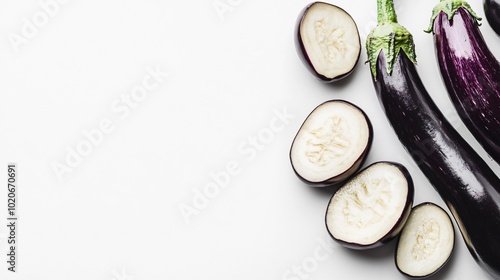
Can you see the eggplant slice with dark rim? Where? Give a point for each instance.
(332, 143)
(426, 241)
(327, 41)
(465, 182)
(371, 208)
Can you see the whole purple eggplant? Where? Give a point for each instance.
(462, 178)
(469, 70)
(492, 12)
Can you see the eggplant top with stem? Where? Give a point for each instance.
(469, 70)
(388, 39)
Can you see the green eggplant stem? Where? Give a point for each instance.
(450, 7)
(386, 12)
(388, 37)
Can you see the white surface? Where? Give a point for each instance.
(231, 79)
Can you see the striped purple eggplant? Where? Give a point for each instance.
(469, 70)
(492, 12)
(462, 178)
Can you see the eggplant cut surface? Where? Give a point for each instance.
(327, 41)
(371, 208)
(426, 242)
(331, 144)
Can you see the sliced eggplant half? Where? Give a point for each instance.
(332, 143)
(426, 242)
(372, 207)
(327, 41)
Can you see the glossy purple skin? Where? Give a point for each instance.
(302, 53)
(492, 12)
(471, 74)
(398, 227)
(462, 178)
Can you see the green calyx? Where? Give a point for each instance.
(450, 7)
(388, 37)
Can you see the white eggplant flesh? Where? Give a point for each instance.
(327, 41)
(332, 143)
(371, 208)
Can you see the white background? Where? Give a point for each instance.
(117, 214)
